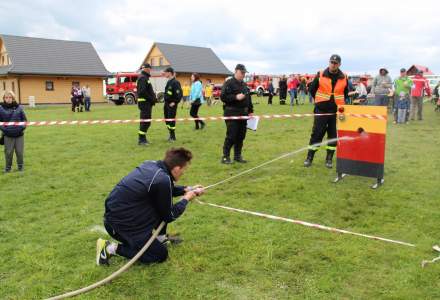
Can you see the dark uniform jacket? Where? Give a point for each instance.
(283, 88)
(327, 106)
(232, 107)
(173, 91)
(144, 198)
(12, 113)
(145, 89)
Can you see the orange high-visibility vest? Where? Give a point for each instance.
(325, 92)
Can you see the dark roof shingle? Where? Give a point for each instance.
(52, 57)
(189, 59)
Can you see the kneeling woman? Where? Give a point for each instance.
(13, 137)
(196, 99)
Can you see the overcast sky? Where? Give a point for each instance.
(267, 36)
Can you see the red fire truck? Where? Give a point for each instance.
(121, 87)
(259, 84)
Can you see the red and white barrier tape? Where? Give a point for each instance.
(366, 116)
(103, 122)
(308, 224)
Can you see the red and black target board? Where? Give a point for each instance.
(361, 144)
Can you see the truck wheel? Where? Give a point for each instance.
(130, 100)
(260, 92)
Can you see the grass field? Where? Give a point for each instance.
(48, 213)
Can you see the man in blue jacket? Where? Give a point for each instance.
(140, 202)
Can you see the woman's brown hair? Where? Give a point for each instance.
(196, 76)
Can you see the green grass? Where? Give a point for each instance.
(47, 213)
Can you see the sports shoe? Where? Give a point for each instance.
(102, 255)
(172, 240)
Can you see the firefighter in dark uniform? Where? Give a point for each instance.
(146, 99)
(329, 89)
(172, 97)
(236, 102)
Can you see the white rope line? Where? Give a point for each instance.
(308, 224)
(276, 159)
(426, 262)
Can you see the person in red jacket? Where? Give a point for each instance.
(419, 90)
(293, 89)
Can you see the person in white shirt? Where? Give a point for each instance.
(360, 94)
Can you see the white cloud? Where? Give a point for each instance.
(273, 37)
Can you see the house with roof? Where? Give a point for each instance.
(46, 69)
(186, 60)
(414, 69)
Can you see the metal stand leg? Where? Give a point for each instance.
(378, 183)
(340, 177)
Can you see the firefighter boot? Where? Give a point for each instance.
(237, 153)
(309, 159)
(329, 159)
(172, 137)
(142, 140)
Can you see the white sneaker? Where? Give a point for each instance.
(436, 248)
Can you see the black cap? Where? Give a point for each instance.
(335, 58)
(169, 69)
(240, 67)
(146, 66)
(383, 69)
(402, 70)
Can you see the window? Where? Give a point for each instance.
(134, 79)
(152, 61)
(111, 80)
(13, 86)
(3, 60)
(123, 79)
(49, 86)
(161, 62)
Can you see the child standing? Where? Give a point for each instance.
(402, 108)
